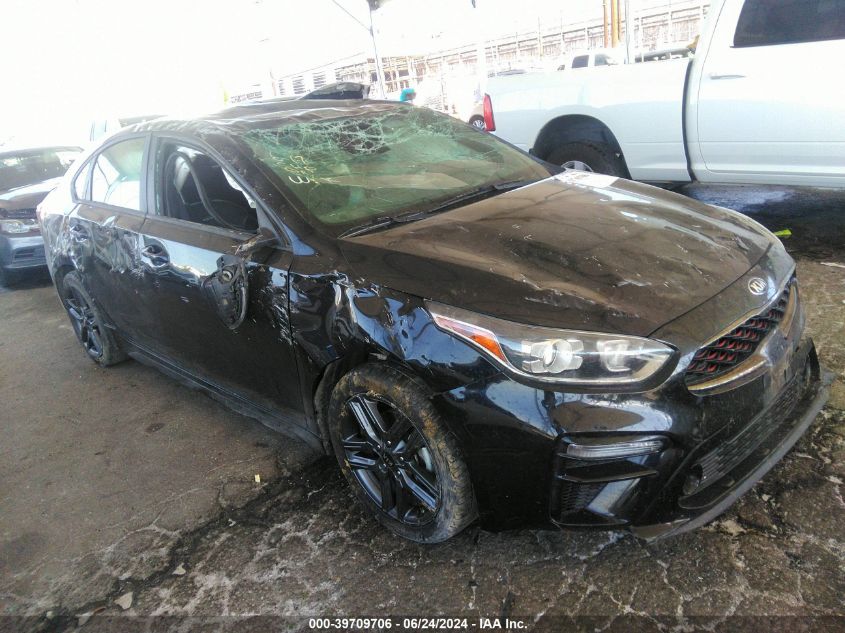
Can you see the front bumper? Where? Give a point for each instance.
(21, 252)
(515, 440)
(717, 442)
(772, 444)
(674, 490)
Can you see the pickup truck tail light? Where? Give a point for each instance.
(489, 121)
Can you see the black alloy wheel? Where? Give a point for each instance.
(391, 460)
(395, 449)
(84, 323)
(99, 343)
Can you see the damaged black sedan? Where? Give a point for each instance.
(470, 333)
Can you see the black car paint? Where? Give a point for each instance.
(551, 254)
(624, 258)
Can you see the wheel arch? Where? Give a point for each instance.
(373, 323)
(335, 371)
(574, 128)
(60, 271)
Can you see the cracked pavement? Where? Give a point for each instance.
(120, 481)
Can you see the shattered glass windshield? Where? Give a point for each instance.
(347, 171)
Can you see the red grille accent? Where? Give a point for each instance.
(725, 353)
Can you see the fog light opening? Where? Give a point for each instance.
(693, 480)
(644, 446)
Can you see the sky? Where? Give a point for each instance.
(67, 62)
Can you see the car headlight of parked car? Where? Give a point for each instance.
(14, 227)
(572, 357)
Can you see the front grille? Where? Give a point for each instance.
(573, 497)
(20, 214)
(33, 252)
(730, 453)
(725, 353)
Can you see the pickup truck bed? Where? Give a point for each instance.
(761, 102)
(654, 150)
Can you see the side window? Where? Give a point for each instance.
(116, 177)
(771, 22)
(601, 60)
(580, 61)
(80, 182)
(192, 186)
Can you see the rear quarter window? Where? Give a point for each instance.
(116, 175)
(80, 182)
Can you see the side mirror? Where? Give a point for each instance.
(264, 237)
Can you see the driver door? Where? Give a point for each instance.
(218, 316)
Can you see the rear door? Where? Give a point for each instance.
(214, 314)
(104, 227)
(771, 102)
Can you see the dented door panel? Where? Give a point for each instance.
(219, 317)
(103, 245)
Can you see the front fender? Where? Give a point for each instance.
(333, 318)
(337, 325)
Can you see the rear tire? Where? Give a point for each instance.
(596, 157)
(98, 341)
(478, 123)
(398, 456)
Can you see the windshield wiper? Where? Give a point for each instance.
(481, 192)
(412, 216)
(381, 222)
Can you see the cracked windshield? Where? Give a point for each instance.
(348, 170)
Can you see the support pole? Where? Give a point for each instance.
(614, 23)
(606, 30)
(379, 70)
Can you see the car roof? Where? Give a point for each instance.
(264, 114)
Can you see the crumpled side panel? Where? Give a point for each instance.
(333, 318)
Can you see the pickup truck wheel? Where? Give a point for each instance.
(477, 122)
(589, 157)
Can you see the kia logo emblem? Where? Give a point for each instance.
(757, 286)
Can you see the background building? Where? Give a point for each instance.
(447, 73)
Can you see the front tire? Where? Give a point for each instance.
(398, 456)
(96, 339)
(595, 157)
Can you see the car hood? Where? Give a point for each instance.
(598, 254)
(27, 197)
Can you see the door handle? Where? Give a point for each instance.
(78, 232)
(718, 75)
(155, 255)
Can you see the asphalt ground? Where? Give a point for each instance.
(129, 502)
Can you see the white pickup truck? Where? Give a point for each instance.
(761, 102)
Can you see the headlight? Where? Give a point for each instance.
(561, 356)
(12, 227)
